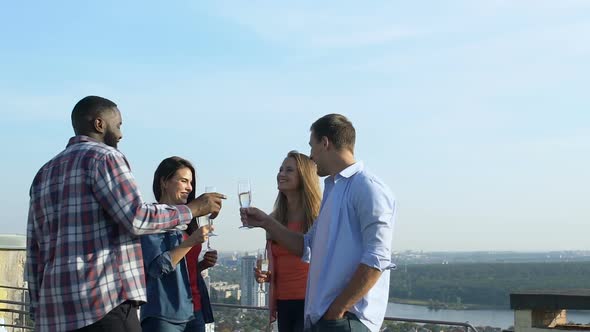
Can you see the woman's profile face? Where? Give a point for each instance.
(176, 189)
(288, 176)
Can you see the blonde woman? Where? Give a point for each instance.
(296, 207)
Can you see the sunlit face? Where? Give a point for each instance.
(176, 189)
(113, 122)
(317, 153)
(288, 176)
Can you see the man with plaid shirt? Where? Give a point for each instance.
(84, 261)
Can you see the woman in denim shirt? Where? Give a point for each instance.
(170, 297)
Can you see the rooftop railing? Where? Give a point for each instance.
(13, 311)
(18, 310)
(465, 325)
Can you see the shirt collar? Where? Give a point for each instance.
(347, 172)
(81, 139)
(352, 169)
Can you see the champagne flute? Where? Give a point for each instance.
(262, 264)
(210, 189)
(245, 197)
(208, 238)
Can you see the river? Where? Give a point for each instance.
(496, 317)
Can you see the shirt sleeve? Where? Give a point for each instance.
(307, 243)
(156, 255)
(115, 188)
(375, 206)
(33, 270)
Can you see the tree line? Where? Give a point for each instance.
(482, 284)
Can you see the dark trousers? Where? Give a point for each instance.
(290, 315)
(153, 324)
(350, 323)
(122, 318)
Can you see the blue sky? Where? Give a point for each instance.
(474, 112)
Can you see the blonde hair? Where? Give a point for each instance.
(309, 192)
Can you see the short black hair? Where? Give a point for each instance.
(337, 128)
(87, 110)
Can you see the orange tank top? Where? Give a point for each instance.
(290, 273)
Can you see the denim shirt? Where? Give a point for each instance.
(355, 226)
(168, 287)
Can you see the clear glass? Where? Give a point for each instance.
(210, 189)
(262, 264)
(245, 197)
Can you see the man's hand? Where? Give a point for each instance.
(253, 217)
(199, 236)
(363, 279)
(261, 276)
(209, 259)
(209, 203)
(292, 241)
(334, 313)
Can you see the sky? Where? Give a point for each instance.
(473, 112)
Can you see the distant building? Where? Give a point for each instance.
(207, 279)
(252, 295)
(208, 327)
(225, 290)
(228, 260)
(248, 284)
(262, 294)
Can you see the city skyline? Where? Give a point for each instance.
(474, 113)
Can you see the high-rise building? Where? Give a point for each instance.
(248, 284)
(211, 326)
(252, 293)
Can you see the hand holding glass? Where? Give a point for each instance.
(245, 196)
(262, 264)
(210, 189)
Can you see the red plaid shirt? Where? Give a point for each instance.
(83, 251)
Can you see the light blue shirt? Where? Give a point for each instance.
(355, 226)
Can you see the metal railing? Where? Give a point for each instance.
(23, 313)
(238, 306)
(464, 325)
(16, 309)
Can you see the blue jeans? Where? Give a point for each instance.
(153, 324)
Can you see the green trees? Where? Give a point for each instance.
(485, 284)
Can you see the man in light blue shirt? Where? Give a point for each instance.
(350, 242)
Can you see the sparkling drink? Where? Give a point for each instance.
(245, 198)
(262, 264)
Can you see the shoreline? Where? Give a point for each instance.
(445, 306)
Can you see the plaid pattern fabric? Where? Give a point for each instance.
(83, 251)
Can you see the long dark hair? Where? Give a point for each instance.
(165, 171)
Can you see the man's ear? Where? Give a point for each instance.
(99, 125)
(325, 142)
